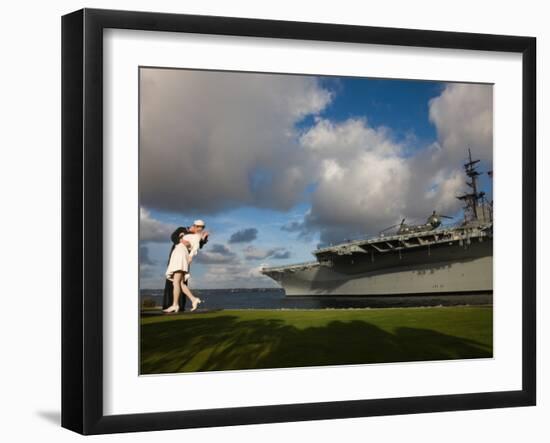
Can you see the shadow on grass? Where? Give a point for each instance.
(223, 343)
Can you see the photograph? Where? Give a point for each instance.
(290, 220)
(274, 221)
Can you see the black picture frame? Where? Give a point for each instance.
(82, 218)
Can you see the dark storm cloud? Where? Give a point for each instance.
(244, 236)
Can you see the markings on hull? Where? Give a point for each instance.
(475, 275)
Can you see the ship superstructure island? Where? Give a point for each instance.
(413, 259)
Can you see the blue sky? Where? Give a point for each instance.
(401, 105)
(292, 158)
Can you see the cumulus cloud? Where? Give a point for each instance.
(146, 264)
(244, 236)
(463, 116)
(280, 255)
(366, 181)
(358, 168)
(213, 140)
(232, 276)
(222, 268)
(254, 253)
(302, 228)
(216, 254)
(341, 141)
(152, 230)
(293, 226)
(144, 256)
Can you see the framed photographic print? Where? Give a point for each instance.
(269, 221)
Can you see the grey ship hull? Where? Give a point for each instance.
(419, 259)
(450, 267)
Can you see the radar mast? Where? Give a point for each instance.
(472, 198)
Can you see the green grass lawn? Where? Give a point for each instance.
(253, 339)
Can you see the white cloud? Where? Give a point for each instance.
(463, 117)
(255, 253)
(366, 181)
(340, 141)
(231, 276)
(363, 195)
(213, 140)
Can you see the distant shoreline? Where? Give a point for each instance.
(204, 311)
(224, 289)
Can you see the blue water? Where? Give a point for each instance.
(275, 299)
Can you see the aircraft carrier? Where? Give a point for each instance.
(426, 258)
